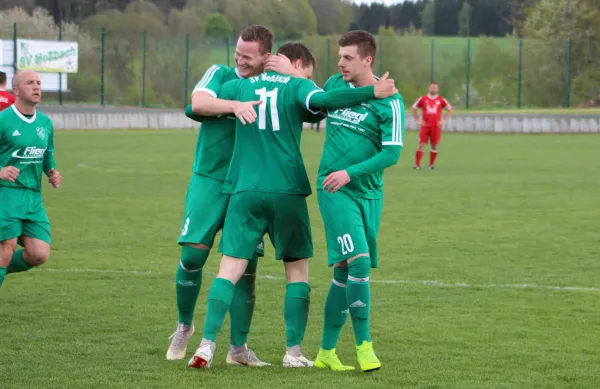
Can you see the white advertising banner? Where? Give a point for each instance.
(47, 56)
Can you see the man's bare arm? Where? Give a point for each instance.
(415, 113)
(447, 117)
(205, 104)
(281, 64)
(448, 114)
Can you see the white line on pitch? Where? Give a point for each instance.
(407, 282)
(84, 166)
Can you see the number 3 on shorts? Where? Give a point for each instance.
(185, 227)
(346, 242)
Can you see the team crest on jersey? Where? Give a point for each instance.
(437, 102)
(431, 109)
(41, 131)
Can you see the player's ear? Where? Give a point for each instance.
(369, 60)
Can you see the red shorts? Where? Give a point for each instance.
(430, 133)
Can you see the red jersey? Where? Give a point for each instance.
(432, 109)
(6, 99)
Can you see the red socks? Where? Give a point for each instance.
(432, 157)
(418, 158)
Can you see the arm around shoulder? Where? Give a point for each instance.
(205, 104)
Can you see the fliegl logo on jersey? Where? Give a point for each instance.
(348, 115)
(30, 152)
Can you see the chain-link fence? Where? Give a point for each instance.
(141, 69)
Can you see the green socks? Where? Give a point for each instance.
(242, 305)
(358, 293)
(17, 263)
(295, 312)
(219, 300)
(188, 281)
(336, 309)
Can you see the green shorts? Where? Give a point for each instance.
(351, 226)
(22, 213)
(284, 217)
(205, 209)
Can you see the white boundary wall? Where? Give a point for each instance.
(128, 118)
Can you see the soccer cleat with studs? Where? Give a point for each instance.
(179, 342)
(203, 356)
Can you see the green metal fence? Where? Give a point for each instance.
(142, 69)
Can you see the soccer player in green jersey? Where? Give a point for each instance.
(268, 185)
(361, 142)
(26, 151)
(205, 202)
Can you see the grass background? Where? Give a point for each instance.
(500, 210)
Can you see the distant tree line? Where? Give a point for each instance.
(295, 18)
(145, 44)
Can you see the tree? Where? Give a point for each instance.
(291, 19)
(333, 16)
(407, 15)
(563, 19)
(428, 18)
(40, 25)
(185, 21)
(245, 13)
(145, 8)
(464, 20)
(446, 14)
(27, 5)
(207, 6)
(216, 26)
(370, 17)
(386, 31)
(570, 33)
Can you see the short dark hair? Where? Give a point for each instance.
(365, 42)
(297, 51)
(433, 83)
(260, 34)
(2, 78)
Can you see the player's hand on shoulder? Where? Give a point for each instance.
(443, 123)
(9, 173)
(336, 180)
(385, 87)
(245, 111)
(54, 178)
(281, 64)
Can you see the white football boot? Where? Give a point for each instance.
(243, 356)
(204, 355)
(178, 345)
(294, 358)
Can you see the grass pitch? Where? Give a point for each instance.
(489, 272)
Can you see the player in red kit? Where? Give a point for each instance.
(6, 98)
(432, 106)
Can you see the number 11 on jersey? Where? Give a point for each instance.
(262, 108)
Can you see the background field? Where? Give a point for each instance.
(489, 272)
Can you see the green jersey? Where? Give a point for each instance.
(217, 134)
(266, 156)
(26, 143)
(362, 139)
